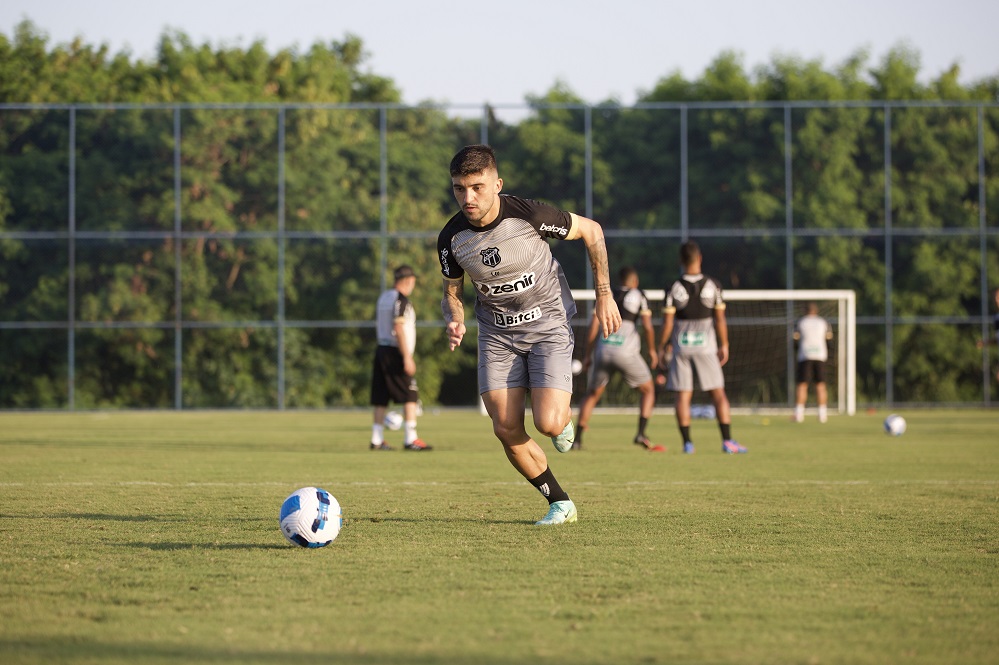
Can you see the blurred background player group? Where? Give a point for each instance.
(694, 342)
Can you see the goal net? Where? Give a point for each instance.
(760, 373)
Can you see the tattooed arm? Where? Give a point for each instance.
(454, 311)
(592, 233)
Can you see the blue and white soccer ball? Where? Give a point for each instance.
(393, 420)
(311, 517)
(895, 425)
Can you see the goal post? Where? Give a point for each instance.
(760, 374)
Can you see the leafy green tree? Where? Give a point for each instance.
(298, 182)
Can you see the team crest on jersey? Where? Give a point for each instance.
(491, 256)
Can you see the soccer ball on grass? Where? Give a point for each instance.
(311, 517)
(895, 425)
(393, 420)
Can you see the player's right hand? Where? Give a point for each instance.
(455, 333)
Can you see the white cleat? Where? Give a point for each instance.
(563, 442)
(560, 512)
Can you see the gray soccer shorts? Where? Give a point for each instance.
(605, 362)
(682, 368)
(526, 360)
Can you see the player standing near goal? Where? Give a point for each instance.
(394, 372)
(622, 352)
(694, 325)
(523, 308)
(812, 333)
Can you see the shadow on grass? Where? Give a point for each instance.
(76, 650)
(434, 520)
(170, 547)
(99, 517)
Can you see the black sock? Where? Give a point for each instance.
(642, 422)
(549, 487)
(579, 434)
(726, 430)
(685, 433)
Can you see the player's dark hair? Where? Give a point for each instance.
(626, 273)
(473, 159)
(688, 252)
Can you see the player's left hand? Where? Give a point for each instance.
(723, 354)
(455, 333)
(608, 314)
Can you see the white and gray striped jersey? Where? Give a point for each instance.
(520, 286)
(392, 307)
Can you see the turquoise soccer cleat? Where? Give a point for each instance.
(560, 512)
(563, 442)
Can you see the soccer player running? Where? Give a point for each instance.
(812, 333)
(393, 373)
(523, 308)
(694, 324)
(622, 352)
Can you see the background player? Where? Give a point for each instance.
(812, 333)
(622, 352)
(994, 340)
(523, 308)
(694, 325)
(394, 371)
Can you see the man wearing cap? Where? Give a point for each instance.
(394, 372)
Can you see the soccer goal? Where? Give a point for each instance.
(760, 373)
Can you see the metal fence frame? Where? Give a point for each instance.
(71, 235)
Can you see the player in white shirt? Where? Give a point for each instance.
(812, 333)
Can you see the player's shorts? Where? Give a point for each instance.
(389, 380)
(811, 371)
(631, 366)
(681, 372)
(526, 360)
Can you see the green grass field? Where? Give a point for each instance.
(153, 538)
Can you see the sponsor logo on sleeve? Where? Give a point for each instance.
(551, 228)
(445, 266)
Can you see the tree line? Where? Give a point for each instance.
(298, 179)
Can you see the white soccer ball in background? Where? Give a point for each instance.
(895, 425)
(393, 420)
(577, 366)
(311, 517)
